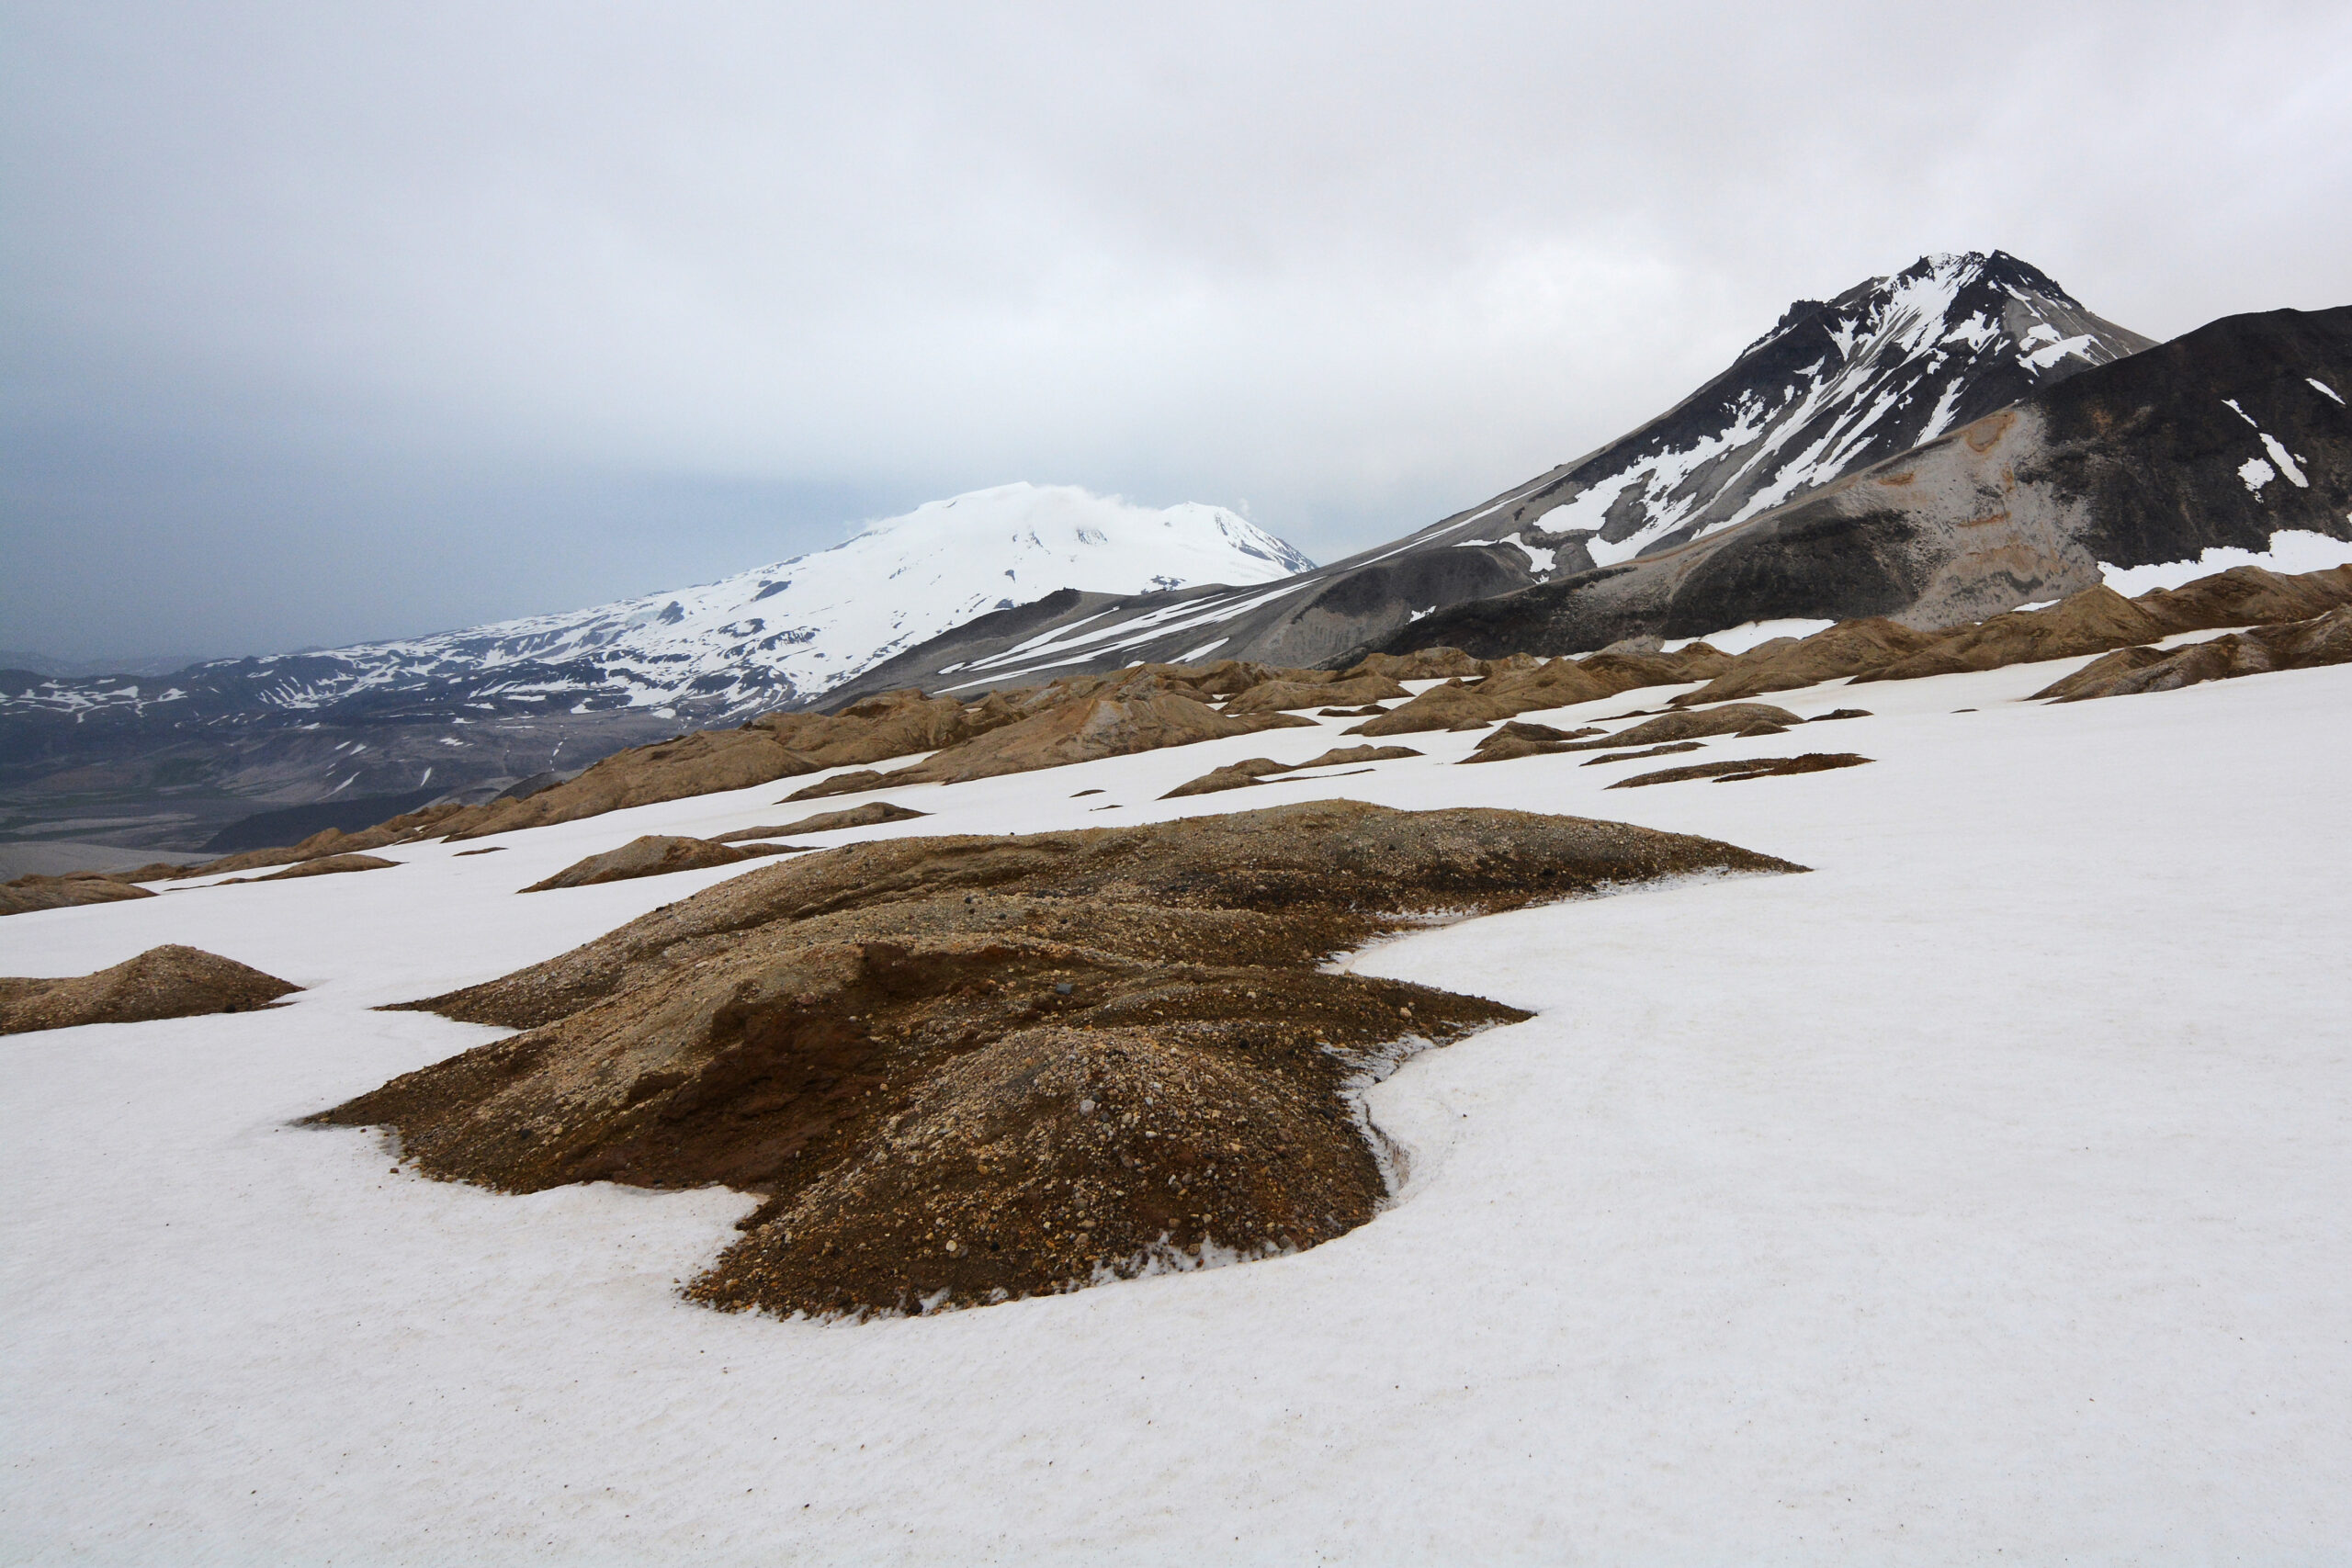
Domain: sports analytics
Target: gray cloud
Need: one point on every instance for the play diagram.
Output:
(331, 323)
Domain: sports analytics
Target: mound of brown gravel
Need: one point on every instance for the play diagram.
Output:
(1748, 768)
(2295, 645)
(28, 893)
(958, 1069)
(1253, 770)
(653, 855)
(873, 814)
(325, 865)
(163, 982)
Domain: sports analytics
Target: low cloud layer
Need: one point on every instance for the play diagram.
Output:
(325, 324)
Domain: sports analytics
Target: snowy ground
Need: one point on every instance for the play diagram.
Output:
(1981, 1193)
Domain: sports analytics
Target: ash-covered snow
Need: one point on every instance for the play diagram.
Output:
(1877, 1213)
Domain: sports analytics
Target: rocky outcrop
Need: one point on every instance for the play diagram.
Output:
(873, 814)
(2089, 622)
(326, 865)
(163, 982)
(653, 855)
(1113, 724)
(2094, 621)
(772, 747)
(1787, 664)
(1354, 690)
(1516, 740)
(1252, 770)
(960, 1070)
(1749, 768)
(1531, 686)
(2293, 645)
(27, 895)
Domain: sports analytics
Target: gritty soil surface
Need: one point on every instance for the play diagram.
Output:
(961, 1069)
(163, 982)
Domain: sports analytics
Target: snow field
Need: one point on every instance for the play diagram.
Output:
(1979, 1191)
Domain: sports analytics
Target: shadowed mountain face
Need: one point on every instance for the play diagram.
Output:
(1831, 389)
(2221, 438)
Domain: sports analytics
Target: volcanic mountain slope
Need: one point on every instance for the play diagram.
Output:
(2222, 439)
(508, 700)
(1832, 387)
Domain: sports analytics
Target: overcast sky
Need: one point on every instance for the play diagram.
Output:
(328, 322)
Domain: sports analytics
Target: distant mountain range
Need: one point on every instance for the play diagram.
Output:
(1832, 389)
(494, 702)
(758, 640)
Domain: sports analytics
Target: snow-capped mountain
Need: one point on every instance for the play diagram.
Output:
(2231, 440)
(1831, 389)
(1886, 366)
(761, 638)
(464, 709)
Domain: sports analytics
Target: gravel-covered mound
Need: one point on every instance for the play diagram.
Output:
(163, 982)
(963, 1068)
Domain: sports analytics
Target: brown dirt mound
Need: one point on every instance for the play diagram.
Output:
(873, 814)
(1233, 775)
(1753, 768)
(654, 854)
(1114, 725)
(774, 746)
(2297, 645)
(1692, 724)
(2248, 596)
(1342, 756)
(1667, 751)
(1528, 688)
(1252, 770)
(2090, 622)
(27, 895)
(1426, 664)
(1848, 649)
(1520, 739)
(958, 1069)
(163, 982)
(1275, 695)
(856, 780)
(326, 865)
(154, 870)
